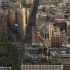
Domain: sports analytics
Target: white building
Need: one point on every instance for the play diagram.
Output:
(65, 1)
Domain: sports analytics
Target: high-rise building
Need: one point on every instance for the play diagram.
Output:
(29, 1)
(4, 4)
(65, 1)
(56, 34)
(58, 1)
(55, 2)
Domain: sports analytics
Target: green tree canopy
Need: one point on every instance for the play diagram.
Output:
(8, 52)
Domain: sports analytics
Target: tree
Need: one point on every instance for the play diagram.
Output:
(8, 53)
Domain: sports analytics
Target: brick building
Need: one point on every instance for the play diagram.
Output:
(56, 34)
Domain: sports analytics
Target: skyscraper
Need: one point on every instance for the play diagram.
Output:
(55, 2)
(29, 1)
(4, 4)
(57, 34)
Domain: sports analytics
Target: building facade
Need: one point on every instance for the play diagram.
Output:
(4, 4)
(56, 37)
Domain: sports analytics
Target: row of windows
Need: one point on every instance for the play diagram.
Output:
(55, 1)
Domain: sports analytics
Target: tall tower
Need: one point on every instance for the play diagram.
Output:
(18, 3)
(4, 4)
(29, 1)
(31, 26)
(57, 32)
(55, 2)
